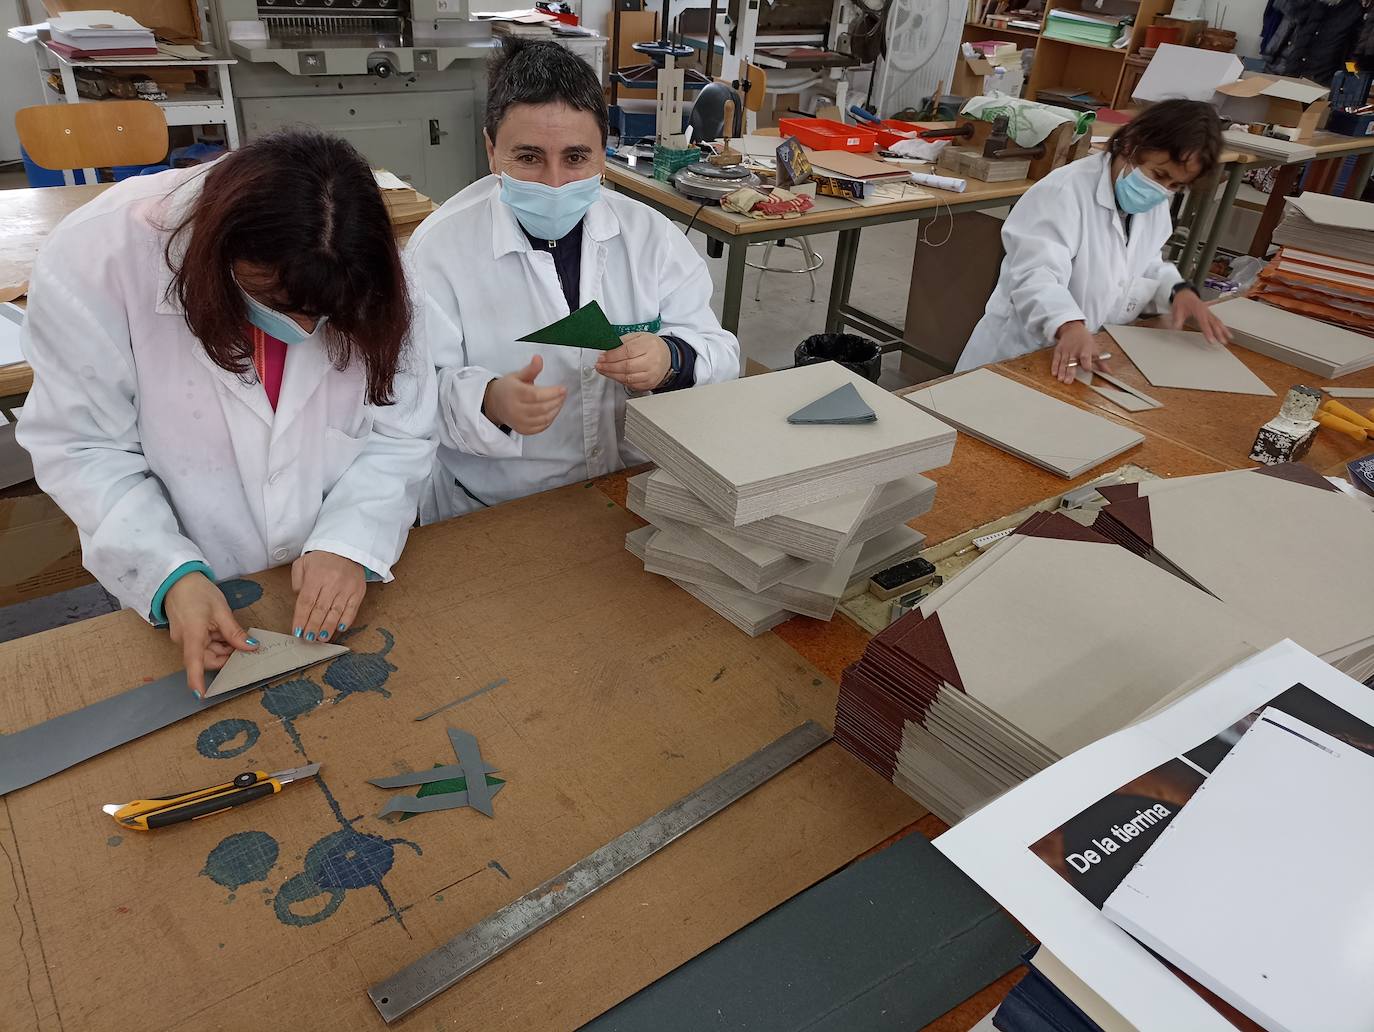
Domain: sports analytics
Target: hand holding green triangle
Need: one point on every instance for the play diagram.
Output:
(587, 327)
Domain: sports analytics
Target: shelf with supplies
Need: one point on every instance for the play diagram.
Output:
(213, 107)
(1087, 67)
(980, 30)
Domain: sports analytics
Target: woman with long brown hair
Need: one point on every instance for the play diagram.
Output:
(225, 380)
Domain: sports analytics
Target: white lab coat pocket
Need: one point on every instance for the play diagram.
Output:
(341, 449)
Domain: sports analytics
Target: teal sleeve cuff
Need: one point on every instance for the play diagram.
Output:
(370, 577)
(160, 617)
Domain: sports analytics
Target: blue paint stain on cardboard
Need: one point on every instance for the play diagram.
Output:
(114, 840)
(243, 857)
(240, 592)
(292, 699)
(226, 739)
(362, 671)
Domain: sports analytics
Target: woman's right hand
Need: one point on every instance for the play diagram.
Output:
(1074, 344)
(514, 401)
(201, 623)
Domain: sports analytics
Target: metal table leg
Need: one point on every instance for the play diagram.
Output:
(1219, 217)
(1205, 193)
(734, 284)
(846, 253)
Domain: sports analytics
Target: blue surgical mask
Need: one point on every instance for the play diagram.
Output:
(1137, 193)
(550, 212)
(275, 324)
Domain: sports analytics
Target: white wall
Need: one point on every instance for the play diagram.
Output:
(1244, 18)
(18, 77)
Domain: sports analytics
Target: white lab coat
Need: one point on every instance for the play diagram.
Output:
(481, 287)
(161, 458)
(1068, 258)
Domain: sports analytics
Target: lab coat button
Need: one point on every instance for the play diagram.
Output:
(596, 451)
(274, 477)
(280, 555)
(587, 372)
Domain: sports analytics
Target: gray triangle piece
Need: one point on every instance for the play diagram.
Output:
(841, 406)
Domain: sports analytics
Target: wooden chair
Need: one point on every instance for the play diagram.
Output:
(99, 134)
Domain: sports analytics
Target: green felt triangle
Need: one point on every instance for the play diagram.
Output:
(587, 327)
(443, 787)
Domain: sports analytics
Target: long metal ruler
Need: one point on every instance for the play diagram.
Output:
(450, 963)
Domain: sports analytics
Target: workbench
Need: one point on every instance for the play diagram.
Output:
(1331, 148)
(831, 215)
(600, 692)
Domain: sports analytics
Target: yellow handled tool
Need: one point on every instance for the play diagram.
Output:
(160, 811)
(1342, 426)
(1348, 414)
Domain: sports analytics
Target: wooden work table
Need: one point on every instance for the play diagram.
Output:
(603, 694)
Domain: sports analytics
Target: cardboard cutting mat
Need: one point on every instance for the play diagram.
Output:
(601, 693)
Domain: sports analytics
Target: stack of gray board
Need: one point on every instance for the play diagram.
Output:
(1319, 347)
(1336, 226)
(1052, 639)
(859, 483)
(730, 443)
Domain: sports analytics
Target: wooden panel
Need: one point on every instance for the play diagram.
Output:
(95, 135)
(602, 694)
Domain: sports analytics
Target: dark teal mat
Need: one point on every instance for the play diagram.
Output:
(886, 945)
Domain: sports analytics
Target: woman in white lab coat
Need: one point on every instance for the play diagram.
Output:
(223, 382)
(1083, 245)
(526, 246)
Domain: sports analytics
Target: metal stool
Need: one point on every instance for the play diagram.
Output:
(811, 261)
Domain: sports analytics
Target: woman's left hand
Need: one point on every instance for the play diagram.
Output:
(1187, 305)
(329, 589)
(640, 363)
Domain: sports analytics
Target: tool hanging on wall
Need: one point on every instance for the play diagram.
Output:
(450, 963)
(160, 811)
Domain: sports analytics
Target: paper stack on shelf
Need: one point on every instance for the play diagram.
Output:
(1202, 869)
(1335, 226)
(405, 206)
(1022, 421)
(1280, 543)
(1334, 290)
(1053, 638)
(526, 23)
(1078, 27)
(98, 34)
(786, 516)
(1268, 146)
(1318, 347)
(730, 443)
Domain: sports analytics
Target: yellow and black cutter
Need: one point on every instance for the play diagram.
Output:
(147, 814)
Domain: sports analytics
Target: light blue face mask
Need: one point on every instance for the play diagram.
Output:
(550, 212)
(1137, 193)
(275, 324)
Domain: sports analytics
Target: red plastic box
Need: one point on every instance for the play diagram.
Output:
(823, 134)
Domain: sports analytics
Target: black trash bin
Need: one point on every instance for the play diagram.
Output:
(860, 354)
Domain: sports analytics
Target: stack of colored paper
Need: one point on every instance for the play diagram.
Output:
(1077, 27)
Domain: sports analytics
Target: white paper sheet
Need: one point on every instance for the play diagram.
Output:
(992, 845)
(1261, 888)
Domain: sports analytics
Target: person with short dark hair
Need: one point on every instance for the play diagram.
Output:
(224, 380)
(1084, 245)
(529, 244)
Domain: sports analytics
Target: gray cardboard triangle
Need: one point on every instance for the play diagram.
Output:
(842, 405)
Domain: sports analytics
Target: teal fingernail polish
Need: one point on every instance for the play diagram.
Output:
(324, 635)
(252, 641)
(343, 626)
(310, 636)
(297, 632)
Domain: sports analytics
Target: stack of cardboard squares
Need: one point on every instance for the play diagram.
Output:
(1052, 639)
(777, 494)
(1279, 542)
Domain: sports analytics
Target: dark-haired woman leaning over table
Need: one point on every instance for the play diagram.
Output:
(224, 381)
(1084, 245)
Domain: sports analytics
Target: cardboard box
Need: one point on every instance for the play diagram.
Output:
(1295, 103)
(40, 553)
(978, 76)
(1186, 72)
(176, 21)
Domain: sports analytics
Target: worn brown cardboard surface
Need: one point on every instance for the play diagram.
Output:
(40, 553)
(602, 694)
